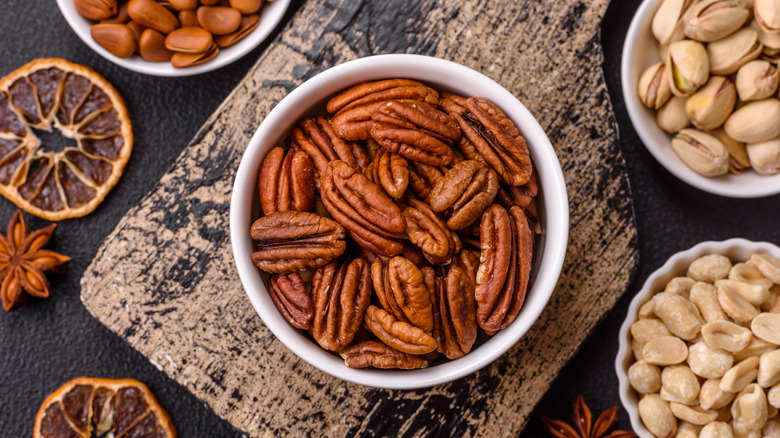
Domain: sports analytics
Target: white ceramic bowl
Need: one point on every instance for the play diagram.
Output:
(270, 16)
(444, 75)
(738, 250)
(640, 51)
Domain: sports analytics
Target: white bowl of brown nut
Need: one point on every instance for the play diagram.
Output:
(173, 37)
(410, 224)
(699, 350)
(700, 83)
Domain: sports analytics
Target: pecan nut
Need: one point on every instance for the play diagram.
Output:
(466, 190)
(286, 182)
(401, 290)
(391, 171)
(415, 130)
(374, 221)
(316, 137)
(430, 233)
(288, 292)
(457, 310)
(497, 139)
(423, 177)
(340, 292)
(378, 355)
(400, 335)
(288, 241)
(354, 106)
(502, 279)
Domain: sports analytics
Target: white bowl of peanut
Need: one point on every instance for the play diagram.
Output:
(699, 353)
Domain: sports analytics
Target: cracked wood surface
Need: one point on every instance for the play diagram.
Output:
(165, 279)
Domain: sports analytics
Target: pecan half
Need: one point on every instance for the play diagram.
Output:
(288, 241)
(289, 294)
(430, 233)
(400, 335)
(415, 130)
(452, 103)
(374, 221)
(391, 171)
(401, 290)
(502, 279)
(423, 177)
(378, 355)
(464, 191)
(316, 137)
(458, 312)
(341, 291)
(524, 197)
(286, 182)
(354, 106)
(497, 139)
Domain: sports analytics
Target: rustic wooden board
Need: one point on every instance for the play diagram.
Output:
(165, 279)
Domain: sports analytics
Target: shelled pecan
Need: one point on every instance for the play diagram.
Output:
(316, 137)
(400, 335)
(288, 241)
(286, 182)
(507, 246)
(378, 355)
(401, 290)
(391, 171)
(422, 178)
(288, 292)
(457, 310)
(430, 233)
(341, 291)
(464, 192)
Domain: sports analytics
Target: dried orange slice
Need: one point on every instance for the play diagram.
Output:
(94, 407)
(52, 93)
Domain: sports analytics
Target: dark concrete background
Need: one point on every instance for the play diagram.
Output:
(48, 342)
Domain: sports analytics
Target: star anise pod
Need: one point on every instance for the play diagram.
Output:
(583, 426)
(22, 262)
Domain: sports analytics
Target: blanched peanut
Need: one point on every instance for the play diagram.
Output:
(767, 327)
(726, 335)
(734, 304)
(705, 297)
(679, 314)
(773, 396)
(710, 268)
(693, 414)
(749, 273)
(712, 397)
(769, 369)
(716, 429)
(707, 362)
(644, 377)
(657, 416)
(742, 431)
(646, 310)
(665, 350)
(768, 265)
(755, 294)
(645, 330)
(756, 347)
(687, 430)
(771, 429)
(740, 375)
(679, 384)
(750, 407)
(680, 286)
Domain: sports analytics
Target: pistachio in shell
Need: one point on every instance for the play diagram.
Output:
(711, 105)
(767, 13)
(667, 25)
(756, 80)
(711, 20)
(653, 88)
(738, 159)
(726, 56)
(756, 122)
(688, 67)
(701, 152)
(769, 40)
(765, 156)
(671, 117)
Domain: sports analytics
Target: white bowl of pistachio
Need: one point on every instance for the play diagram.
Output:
(700, 82)
(699, 350)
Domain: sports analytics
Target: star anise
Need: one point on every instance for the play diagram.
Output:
(22, 262)
(583, 424)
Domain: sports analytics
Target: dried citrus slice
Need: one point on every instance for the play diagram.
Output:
(52, 93)
(94, 407)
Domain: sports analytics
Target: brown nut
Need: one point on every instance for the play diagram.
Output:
(188, 40)
(151, 46)
(286, 182)
(457, 312)
(341, 291)
(505, 265)
(422, 178)
(116, 38)
(219, 20)
(316, 137)
(288, 292)
(248, 24)
(465, 191)
(184, 5)
(391, 171)
(183, 60)
(401, 290)
(416, 130)
(247, 7)
(374, 221)
(429, 232)
(121, 17)
(152, 14)
(96, 9)
(289, 241)
(378, 355)
(188, 19)
(400, 335)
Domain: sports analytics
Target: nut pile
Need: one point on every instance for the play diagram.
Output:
(719, 74)
(374, 217)
(707, 351)
(184, 32)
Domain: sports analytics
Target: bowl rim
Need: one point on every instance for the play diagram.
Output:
(270, 17)
(624, 357)
(551, 179)
(643, 121)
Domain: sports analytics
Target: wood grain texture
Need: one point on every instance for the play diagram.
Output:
(165, 278)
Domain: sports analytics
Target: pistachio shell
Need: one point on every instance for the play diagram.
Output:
(765, 156)
(701, 152)
(755, 122)
(767, 14)
(738, 159)
(709, 107)
(770, 40)
(757, 80)
(653, 89)
(726, 56)
(667, 25)
(711, 20)
(688, 67)
(671, 117)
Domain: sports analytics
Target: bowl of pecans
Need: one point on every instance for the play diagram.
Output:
(399, 221)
